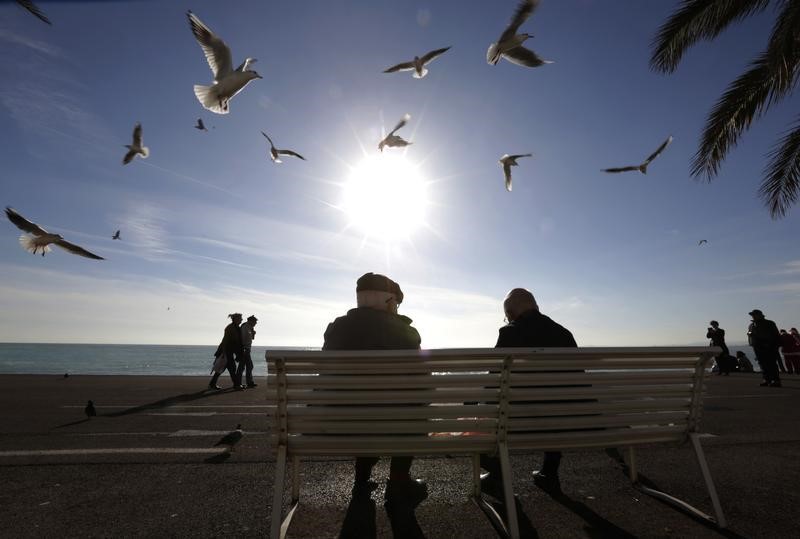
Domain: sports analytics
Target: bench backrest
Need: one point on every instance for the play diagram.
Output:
(465, 400)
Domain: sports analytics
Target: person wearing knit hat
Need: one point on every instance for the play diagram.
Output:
(375, 325)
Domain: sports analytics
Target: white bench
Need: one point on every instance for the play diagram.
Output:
(381, 403)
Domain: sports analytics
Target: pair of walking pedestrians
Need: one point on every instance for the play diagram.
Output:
(235, 348)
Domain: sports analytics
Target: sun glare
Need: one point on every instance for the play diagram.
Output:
(385, 197)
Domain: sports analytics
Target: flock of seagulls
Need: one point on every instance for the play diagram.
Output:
(228, 82)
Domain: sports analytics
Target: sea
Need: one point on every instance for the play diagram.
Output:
(157, 360)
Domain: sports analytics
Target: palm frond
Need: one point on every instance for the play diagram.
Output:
(693, 21)
(780, 188)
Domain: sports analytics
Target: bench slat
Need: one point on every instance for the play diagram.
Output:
(487, 426)
(394, 412)
(599, 407)
(623, 420)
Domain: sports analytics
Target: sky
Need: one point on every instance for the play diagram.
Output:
(210, 226)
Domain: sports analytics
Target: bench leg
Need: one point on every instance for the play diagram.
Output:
(508, 491)
(277, 493)
(476, 476)
(632, 464)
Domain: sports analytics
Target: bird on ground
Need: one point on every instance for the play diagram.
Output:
(89, 410)
(40, 239)
(418, 63)
(136, 148)
(115, 236)
(395, 141)
(227, 81)
(701, 242)
(509, 45)
(66, 375)
(200, 125)
(232, 438)
(33, 8)
(275, 153)
(643, 167)
(509, 161)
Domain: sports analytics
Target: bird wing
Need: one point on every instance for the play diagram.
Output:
(290, 152)
(137, 135)
(433, 54)
(200, 124)
(405, 66)
(76, 249)
(30, 6)
(217, 52)
(658, 151)
(400, 124)
(524, 10)
(244, 66)
(524, 57)
(269, 139)
(24, 224)
(129, 157)
(520, 155)
(507, 173)
(701, 242)
(620, 169)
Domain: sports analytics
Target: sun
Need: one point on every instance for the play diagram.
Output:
(385, 197)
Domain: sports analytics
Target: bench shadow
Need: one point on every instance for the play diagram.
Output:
(644, 481)
(526, 528)
(596, 526)
(166, 402)
(359, 521)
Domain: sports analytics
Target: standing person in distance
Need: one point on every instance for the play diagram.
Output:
(791, 352)
(231, 348)
(764, 337)
(717, 336)
(246, 362)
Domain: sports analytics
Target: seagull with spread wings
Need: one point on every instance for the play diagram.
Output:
(275, 154)
(418, 63)
(509, 161)
(136, 148)
(227, 81)
(509, 46)
(40, 239)
(701, 242)
(395, 141)
(33, 8)
(200, 125)
(643, 167)
(115, 236)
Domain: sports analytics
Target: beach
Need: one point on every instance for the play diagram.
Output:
(147, 465)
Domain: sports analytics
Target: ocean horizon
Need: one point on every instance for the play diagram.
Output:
(138, 359)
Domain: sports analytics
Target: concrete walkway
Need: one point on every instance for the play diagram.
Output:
(148, 466)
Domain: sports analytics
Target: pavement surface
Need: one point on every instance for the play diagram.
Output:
(148, 466)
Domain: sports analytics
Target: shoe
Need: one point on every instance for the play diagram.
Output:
(363, 488)
(252, 384)
(775, 384)
(493, 486)
(764, 384)
(407, 493)
(214, 386)
(547, 481)
(238, 388)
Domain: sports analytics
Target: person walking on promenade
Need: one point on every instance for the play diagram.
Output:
(791, 352)
(231, 348)
(765, 339)
(375, 325)
(717, 336)
(744, 362)
(527, 327)
(246, 362)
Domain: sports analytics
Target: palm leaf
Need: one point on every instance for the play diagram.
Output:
(696, 20)
(780, 188)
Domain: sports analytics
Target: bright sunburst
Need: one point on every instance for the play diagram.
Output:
(385, 197)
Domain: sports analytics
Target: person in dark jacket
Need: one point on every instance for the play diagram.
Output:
(717, 336)
(375, 325)
(527, 327)
(231, 348)
(764, 337)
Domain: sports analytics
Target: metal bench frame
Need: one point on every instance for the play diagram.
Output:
(381, 403)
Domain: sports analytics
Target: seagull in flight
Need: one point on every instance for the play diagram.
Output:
(200, 125)
(115, 236)
(643, 167)
(33, 8)
(509, 161)
(509, 46)
(418, 63)
(275, 153)
(136, 147)
(701, 242)
(227, 81)
(40, 239)
(395, 141)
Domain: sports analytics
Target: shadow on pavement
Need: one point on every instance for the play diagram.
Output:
(597, 526)
(163, 403)
(219, 458)
(78, 422)
(404, 523)
(359, 521)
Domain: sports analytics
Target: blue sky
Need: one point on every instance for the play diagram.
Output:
(211, 226)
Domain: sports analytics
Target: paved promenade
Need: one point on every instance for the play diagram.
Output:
(148, 466)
